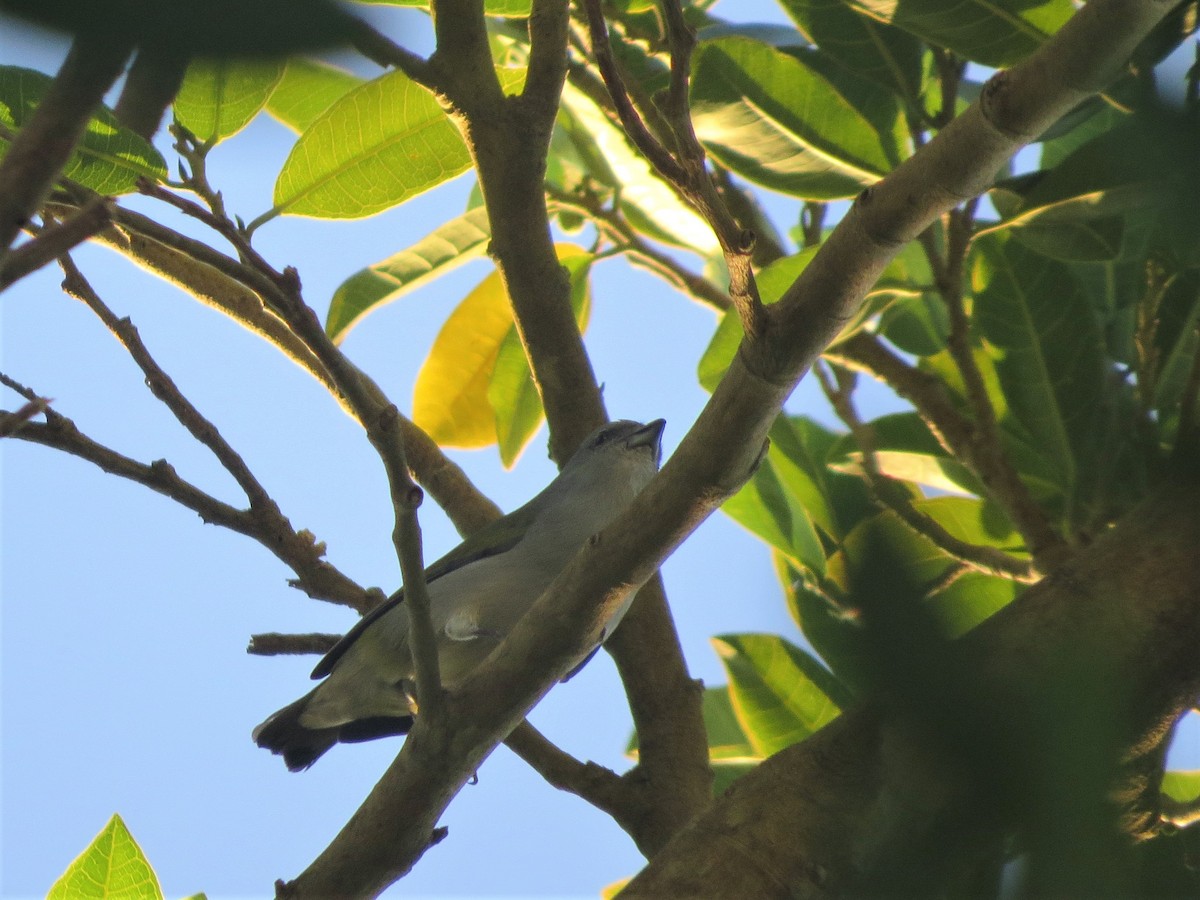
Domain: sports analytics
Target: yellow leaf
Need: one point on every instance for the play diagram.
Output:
(450, 400)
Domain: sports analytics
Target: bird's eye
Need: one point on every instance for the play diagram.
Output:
(601, 438)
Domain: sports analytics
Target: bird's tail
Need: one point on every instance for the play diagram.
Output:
(301, 746)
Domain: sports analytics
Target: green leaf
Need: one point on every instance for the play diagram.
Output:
(906, 449)
(307, 89)
(780, 693)
(769, 510)
(219, 97)
(833, 501)
(649, 204)
(1182, 786)
(869, 47)
(992, 32)
(511, 392)
(1043, 334)
(923, 563)
(780, 121)
(113, 865)
(109, 158)
(831, 627)
(443, 249)
(1176, 341)
(379, 145)
(917, 325)
(968, 600)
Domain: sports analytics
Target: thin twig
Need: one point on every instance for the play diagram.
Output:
(165, 390)
(269, 526)
(383, 51)
(384, 426)
(893, 496)
(15, 421)
(688, 173)
(611, 224)
(1045, 543)
(275, 644)
(953, 430)
(658, 155)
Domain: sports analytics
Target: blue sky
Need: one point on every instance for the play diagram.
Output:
(125, 683)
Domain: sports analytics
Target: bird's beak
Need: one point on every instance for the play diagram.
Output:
(649, 435)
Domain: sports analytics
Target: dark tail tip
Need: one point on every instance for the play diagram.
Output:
(283, 735)
(300, 747)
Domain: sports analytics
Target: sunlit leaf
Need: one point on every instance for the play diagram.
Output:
(109, 158)
(1182, 786)
(780, 121)
(382, 143)
(443, 249)
(307, 89)
(219, 97)
(781, 695)
(645, 199)
(112, 866)
(992, 32)
(906, 449)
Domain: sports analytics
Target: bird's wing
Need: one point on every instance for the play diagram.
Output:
(497, 537)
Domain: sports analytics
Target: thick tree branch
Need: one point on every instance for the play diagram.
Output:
(45, 143)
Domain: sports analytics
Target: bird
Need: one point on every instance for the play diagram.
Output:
(477, 593)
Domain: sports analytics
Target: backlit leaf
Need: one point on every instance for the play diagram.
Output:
(109, 158)
(219, 97)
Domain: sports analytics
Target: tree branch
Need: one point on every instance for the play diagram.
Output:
(274, 644)
(150, 88)
(689, 172)
(953, 430)
(55, 240)
(882, 782)
(599, 786)
(237, 290)
(890, 495)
